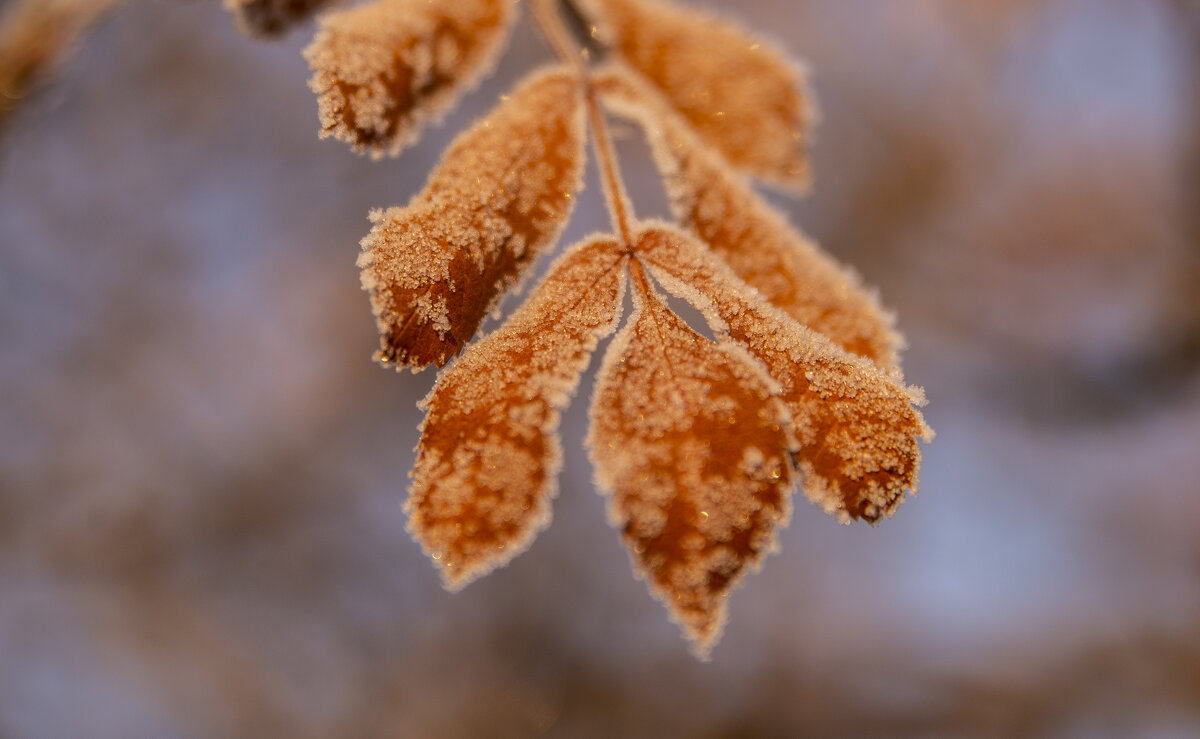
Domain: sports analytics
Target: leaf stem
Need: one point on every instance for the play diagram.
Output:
(639, 277)
(550, 22)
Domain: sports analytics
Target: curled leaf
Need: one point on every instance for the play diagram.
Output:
(691, 446)
(788, 269)
(858, 428)
(268, 18)
(740, 95)
(489, 452)
(384, 69)
(502, 193)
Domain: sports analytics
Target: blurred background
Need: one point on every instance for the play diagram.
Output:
(201, 470)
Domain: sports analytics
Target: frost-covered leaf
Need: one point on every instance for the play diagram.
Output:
(503, 192)
(858, 428)
(690, 444)
(740, 95)
(384, 69)
(489, 452)
(789, 270)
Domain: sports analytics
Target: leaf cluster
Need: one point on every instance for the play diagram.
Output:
(697, 443)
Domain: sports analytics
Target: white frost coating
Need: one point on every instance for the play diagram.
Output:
(691, 447)
(501, 195)
(489, 454)
(857, 426)
(721, 209)
(385, 69)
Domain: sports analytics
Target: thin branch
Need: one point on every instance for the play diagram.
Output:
(550, 22)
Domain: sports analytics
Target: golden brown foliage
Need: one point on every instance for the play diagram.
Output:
(382, 70)
(739, 94)
(696, 442)
(857, 427)
(501, 195)
(489, 450)
(787, 268)
(690, 443)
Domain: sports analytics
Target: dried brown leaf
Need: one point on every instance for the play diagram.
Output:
(382, 70)
(789, 270)
(741, 96)
(690, 444)
(858, 428)
(269, 18)
(489, 452)
(503, 192)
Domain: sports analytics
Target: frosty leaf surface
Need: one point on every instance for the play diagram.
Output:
(382, 70)
(857, 427)
(740, 95)
(690, 445)
(789, 270)
(502, 193)
(489, 452)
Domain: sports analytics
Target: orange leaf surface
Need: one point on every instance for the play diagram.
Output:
(858, 428)
(691, 446)
(489, 452)
(383, 69)
(503, 192)
(740, 95)
(789, 270)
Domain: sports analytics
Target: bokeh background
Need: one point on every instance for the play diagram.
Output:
(201, 470)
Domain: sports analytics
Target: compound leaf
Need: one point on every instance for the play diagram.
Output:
(690, 444)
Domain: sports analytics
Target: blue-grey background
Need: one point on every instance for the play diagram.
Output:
(201, 470)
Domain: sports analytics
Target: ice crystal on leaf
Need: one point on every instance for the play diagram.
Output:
(489, 449)
(383, 69)
(697, 443)
(857, 426)
(741, 96)
(690, 441)
(501, 195)
(270, 18)
(740, 227)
